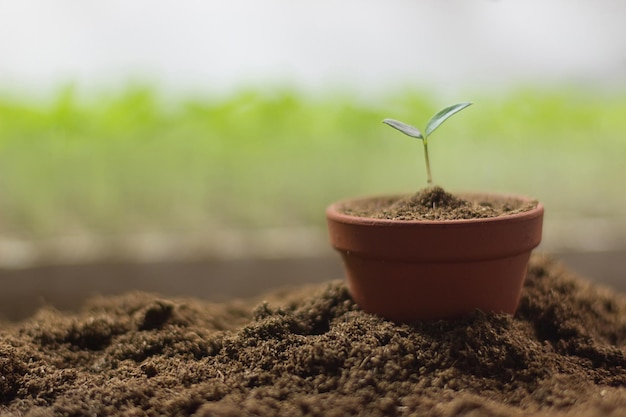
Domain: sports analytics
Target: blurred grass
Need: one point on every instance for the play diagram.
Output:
(134, 161)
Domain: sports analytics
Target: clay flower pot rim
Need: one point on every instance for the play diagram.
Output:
(334, 211)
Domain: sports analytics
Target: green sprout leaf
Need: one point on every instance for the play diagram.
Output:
(442, 115)
(433, 124)
(404, 128)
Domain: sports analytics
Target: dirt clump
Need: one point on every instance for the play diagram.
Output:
(434, 203)
(318, 354)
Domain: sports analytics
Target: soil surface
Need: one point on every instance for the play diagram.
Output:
(435, 203)
(312, 351)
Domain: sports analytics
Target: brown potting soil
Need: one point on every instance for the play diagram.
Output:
(434, 203)
(314, 352)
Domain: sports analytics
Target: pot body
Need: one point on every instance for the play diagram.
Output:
(421, 270)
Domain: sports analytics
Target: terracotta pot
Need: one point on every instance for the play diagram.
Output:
(420, 270)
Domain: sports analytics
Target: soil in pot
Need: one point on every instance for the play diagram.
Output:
(434, 203)
(314, 352)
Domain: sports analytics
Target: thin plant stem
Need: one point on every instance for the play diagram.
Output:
(430, 177)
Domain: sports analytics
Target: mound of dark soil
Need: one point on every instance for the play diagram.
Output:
(435, 203)
(317, 354)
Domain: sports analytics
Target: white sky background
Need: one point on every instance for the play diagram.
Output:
(363, 45)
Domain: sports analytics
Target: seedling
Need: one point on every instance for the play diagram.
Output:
(432, 124)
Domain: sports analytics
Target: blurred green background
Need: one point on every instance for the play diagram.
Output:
(191, 148)
(137, 162)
